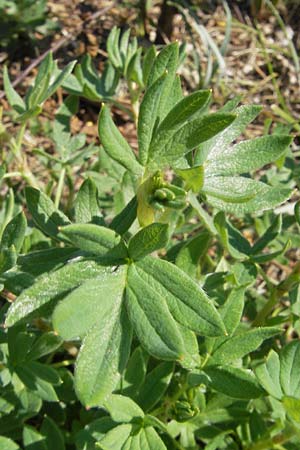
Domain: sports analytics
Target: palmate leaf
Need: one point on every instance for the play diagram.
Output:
(235, 347)
(124, 437)
(101, 304)
(218, 144)
(234, 382)
(51, 287)
(170, 145)
(97, 240)
(247, 155)
(148, 117)
(189, 304)
(153, 323)
(46, 216)
(103, 356)
(241, 195)
(279, 375)
(115, 144)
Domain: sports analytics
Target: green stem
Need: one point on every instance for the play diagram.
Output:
(286, 116)
(17, 147)
(265, 311)
(12, 175)
(65, 363)
(24, 172)
(134, 103)
(60, 186)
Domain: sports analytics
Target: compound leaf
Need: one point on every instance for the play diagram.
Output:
(186, 301)
(148, 239)
(46, 216)
(103, 356)
(115, 144)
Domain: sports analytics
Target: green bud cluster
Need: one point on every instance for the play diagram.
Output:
(168, 196)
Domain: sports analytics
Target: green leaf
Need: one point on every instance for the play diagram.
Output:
(41, 261)
(54, 437)
(2, 171)
(167, 59)
(44, 213)
(232, 310)
(96, 239)
(115, 144)
(244, 273)
(184, 110)
(231, 238)
(193, 177)
(32, 439)
(246, 156)
(84, 306)
(290, 369)
(14, 232)
(51, 287)
(87, 437)
(29, 114)
(270, 234)
(152, 321)
(192, 358)
(292, 407)
(13, 97)
(172, 95)
(240, 195)
(189, 255)
(268, 374)
(112, 46)
(40, 387)
(8, 444)
(123, 221)
(146, 439)
(166, 62)
(62, 123)
(103, 356)
(149, 117)
(63, 75)
(186, 301)
(8, 258)
(43, 372)
(155, 385)
(135, 373)
(218, 144)
(168, 146)
(265, 257)
(45, 344)
(237, 346)
(116, 438)
(234, 382)
(148, 239)
(148, 61)
(297, 212)
(19, 343)
(86, 207)
(41, 82)
(134, 70)
(122, 409)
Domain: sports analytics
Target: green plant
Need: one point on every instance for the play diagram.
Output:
(21, 19)
(149, 285)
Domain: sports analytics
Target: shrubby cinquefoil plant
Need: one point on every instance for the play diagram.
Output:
(177, 349)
